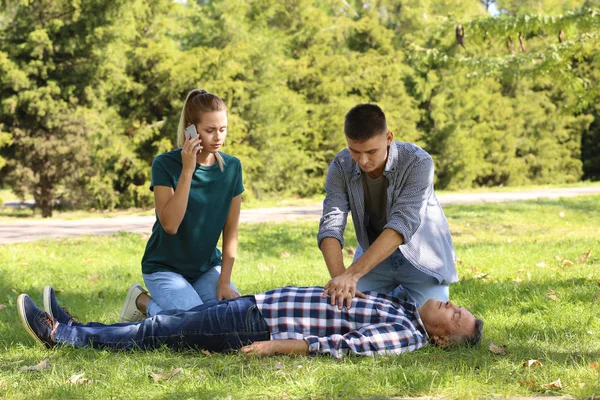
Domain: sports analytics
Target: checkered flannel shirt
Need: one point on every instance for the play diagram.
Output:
(377, 325)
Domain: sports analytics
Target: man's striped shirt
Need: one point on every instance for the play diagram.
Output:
(412, 208)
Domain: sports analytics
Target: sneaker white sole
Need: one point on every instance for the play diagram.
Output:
(128, 299)
(47, 302)
(21, 312)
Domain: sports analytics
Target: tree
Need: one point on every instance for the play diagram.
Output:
(63, 68)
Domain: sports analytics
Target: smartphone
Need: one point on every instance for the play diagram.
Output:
(191, 132)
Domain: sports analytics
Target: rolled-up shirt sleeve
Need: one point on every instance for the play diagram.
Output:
(377, 339)
(410, 202)
(335, 206)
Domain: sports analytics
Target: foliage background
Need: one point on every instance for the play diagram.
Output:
(90, 91)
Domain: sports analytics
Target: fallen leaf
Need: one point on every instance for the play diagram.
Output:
(78, 380)
(597, 297)
(165, 377)
(551, 291)
(561, 214)
(595, 365)
(541, 264)
(477, 274)
(3, 385)
(553, 385)
(519, 280)
(598, 282)
(2, 307)
(93, 277)
(350, 251)
(585, 257)
(206, 352)
(530, 382)
(501, 350)
(263, 267)
(531, 363)
(41, 366)
(285, 254)
(567, 263)
(87, 260)
(551, 297)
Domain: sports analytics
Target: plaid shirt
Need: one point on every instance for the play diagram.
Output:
(376, 325)
(412, 210)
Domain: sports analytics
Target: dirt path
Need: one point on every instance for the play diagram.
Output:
(26, 231)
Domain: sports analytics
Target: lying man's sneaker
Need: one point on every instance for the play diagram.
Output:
(130, 312)
(36, 322)
(54, 310)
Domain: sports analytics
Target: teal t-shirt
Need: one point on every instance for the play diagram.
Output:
(193, 249)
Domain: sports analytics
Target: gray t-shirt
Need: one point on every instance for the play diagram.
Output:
(375, 204)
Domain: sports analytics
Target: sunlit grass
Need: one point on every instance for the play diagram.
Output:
(519, 270)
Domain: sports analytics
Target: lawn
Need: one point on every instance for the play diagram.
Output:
(521, 270)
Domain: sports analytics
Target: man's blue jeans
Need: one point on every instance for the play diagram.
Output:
(415, 285)
(215, 326)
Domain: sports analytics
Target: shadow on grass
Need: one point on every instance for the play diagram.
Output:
(273, 239)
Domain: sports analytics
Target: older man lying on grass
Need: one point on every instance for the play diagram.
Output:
(290, 320)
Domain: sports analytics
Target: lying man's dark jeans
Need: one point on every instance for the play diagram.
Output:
(216, 326)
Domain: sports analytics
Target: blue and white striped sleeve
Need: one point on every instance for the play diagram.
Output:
(335, 206)
(410, 200)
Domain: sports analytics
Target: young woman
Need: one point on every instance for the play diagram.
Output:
(197, 195)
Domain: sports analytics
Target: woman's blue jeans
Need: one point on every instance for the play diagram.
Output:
(215, 326)
(171, 291)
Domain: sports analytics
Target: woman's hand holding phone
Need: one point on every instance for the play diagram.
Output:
(191, 148)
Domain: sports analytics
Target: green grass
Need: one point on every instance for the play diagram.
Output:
(520, 246)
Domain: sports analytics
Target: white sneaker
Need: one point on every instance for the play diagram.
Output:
(130, 312)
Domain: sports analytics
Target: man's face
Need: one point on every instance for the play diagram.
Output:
(371, 154)
(446, 319)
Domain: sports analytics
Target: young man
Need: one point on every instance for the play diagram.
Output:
(290, 320)
(399, 223)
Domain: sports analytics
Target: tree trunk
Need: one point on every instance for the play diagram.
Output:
(45, 199)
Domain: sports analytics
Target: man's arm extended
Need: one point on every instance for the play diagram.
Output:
(275, 347)
(333, 223)
(382, 248)
(342, 287)
(332, 253)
